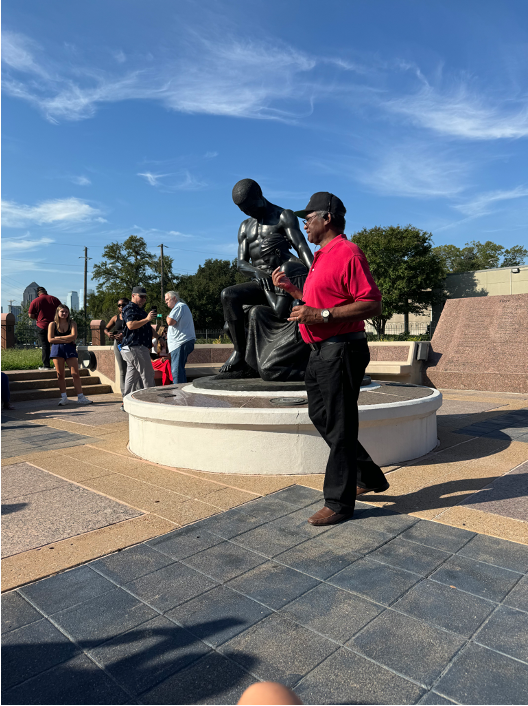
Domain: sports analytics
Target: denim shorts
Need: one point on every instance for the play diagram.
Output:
(63, 350)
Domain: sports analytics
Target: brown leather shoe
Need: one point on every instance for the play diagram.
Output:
(326, 516)
(362, 491)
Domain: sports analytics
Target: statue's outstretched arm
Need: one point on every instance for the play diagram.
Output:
(290, 224)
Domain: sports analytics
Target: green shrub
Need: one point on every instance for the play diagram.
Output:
(21, 358)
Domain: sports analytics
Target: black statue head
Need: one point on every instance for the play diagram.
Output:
(247, 195)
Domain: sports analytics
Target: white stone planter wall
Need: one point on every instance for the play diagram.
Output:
(272, 441)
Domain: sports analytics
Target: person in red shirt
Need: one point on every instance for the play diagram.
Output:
(339, 294)
(43, 309)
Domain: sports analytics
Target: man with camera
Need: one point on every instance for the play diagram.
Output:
(137, 342)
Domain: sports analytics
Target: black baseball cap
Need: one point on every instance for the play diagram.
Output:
(323, 201)
(139, 290)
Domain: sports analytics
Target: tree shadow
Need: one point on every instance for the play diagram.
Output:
(10, 509)
(173, 660)
(433, 496)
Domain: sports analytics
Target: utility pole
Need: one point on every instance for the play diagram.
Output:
(86, 258)
(162, 291)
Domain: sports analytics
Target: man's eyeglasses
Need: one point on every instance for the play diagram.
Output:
(305, 223)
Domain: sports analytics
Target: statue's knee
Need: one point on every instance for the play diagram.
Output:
(226, 295)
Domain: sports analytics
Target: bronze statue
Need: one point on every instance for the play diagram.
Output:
(272, 347)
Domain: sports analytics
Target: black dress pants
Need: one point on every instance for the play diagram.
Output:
(333, 381)
(42, 333)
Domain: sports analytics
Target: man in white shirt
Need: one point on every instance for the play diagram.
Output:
(180, 335)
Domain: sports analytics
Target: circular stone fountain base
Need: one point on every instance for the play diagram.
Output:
(249, 432)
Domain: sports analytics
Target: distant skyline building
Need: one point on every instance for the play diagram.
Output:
(15, 310)
(30, 293)
(72, 301)
(88, 292)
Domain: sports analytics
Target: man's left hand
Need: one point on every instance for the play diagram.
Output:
(306, 315)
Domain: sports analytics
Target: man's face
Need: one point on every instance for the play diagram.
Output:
(252, 206)
(170, 301)
(139, 299)
(315, 228)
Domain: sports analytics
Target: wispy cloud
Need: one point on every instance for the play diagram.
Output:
(483, 204)
(239, 78)
(461, 111)
(81, 180)
(175, 181)
(412, 169)
(56, 211)
(24, 243)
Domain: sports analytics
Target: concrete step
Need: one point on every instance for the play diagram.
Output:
(18, 386)
(18, 375)
(89, 391)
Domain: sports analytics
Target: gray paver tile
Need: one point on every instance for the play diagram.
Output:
(32, 649)
(482, 676)
(186, 541)
(500, 552)
(78, 681)
(317, 559)
(332, 612)
(267, 508)
(214, 679)
(271, 539)
(228, 524)
(224, 561)
(299, 495)
(17, 612)
(476, 577)
(434, 699)
(518, 596)
(352, 536)
(446, 607)
(168, 587)
(144, 656)
(348, 678)
(130, 564)
(506, 631)
(383, 520)
(102, 618)
(277, 649)
(433, 534)
(410, 556)
(218, 615)
(410, 647)
(273, 585)
(65, 590)
(378, 582)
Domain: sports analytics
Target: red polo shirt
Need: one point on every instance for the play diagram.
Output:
(339, 275)
(44, 308)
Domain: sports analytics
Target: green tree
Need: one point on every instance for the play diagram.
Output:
(480, 256)
(201, 291)
(126, 265)
(405, 267)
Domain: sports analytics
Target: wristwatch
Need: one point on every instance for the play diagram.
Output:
(325, 313)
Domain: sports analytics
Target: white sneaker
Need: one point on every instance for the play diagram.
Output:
(43, 368)
(84, 400)
(63, 401)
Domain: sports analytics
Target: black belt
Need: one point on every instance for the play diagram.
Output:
(340, 338)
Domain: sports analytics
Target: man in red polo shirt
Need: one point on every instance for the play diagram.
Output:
(43, 309)
(339, 294)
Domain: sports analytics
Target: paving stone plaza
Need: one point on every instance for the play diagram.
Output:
(128, 582)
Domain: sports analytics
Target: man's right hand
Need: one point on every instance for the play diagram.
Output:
(151, 315)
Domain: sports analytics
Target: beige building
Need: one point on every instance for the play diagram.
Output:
(478, 283)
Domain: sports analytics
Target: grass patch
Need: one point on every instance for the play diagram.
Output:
(21, 358)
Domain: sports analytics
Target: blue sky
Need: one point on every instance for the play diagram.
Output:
(139, 117)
